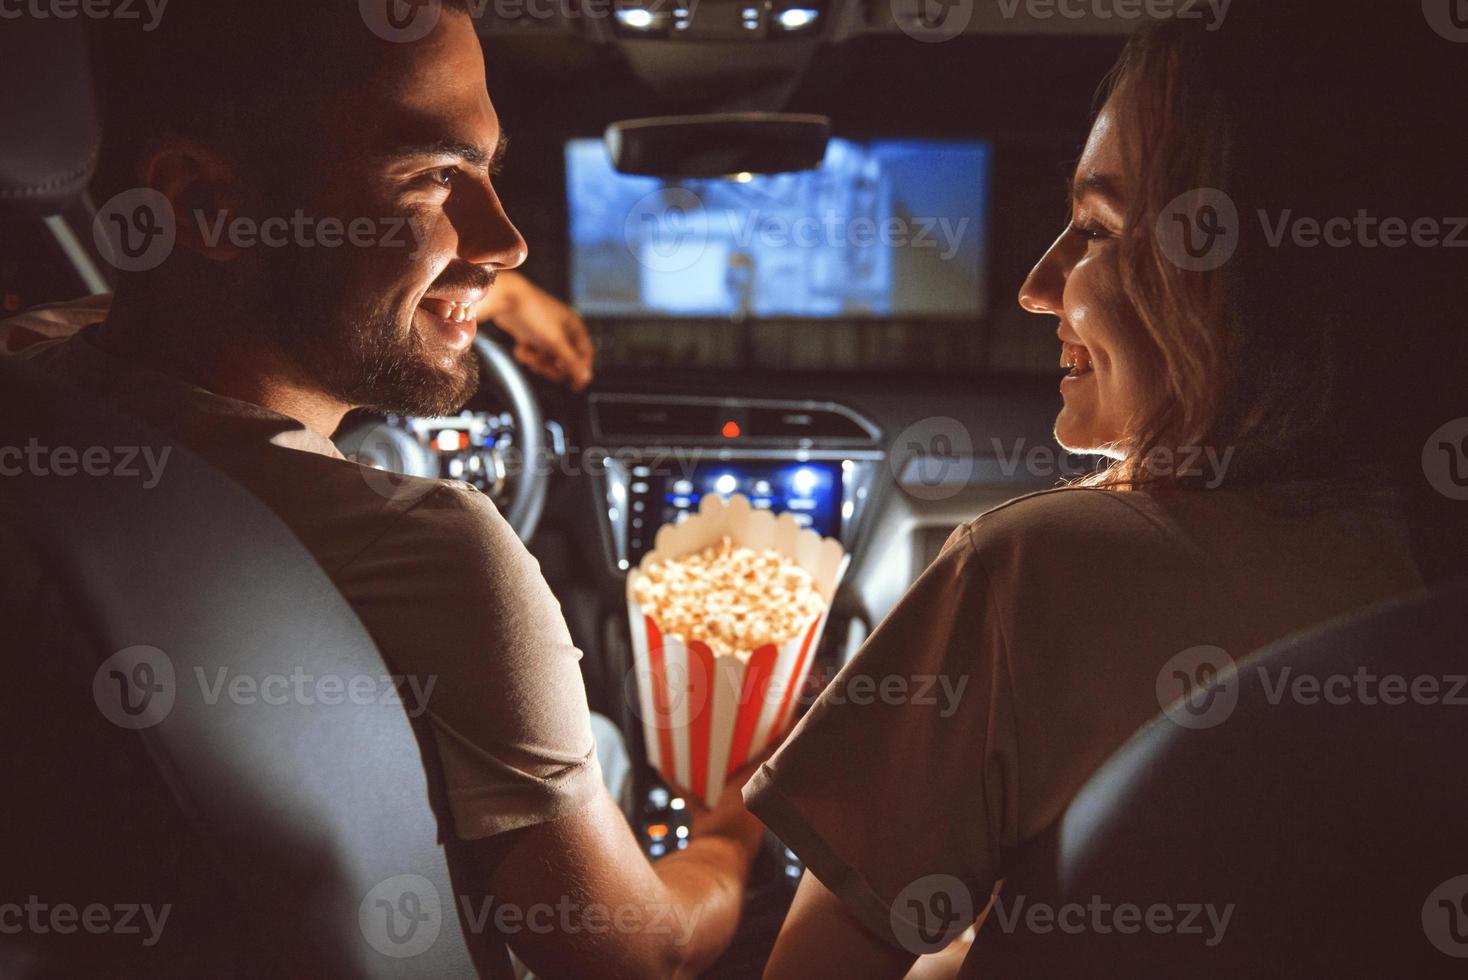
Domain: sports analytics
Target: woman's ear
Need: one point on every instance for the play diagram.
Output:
(204, 188)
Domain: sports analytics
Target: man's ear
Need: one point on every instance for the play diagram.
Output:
(204, 187)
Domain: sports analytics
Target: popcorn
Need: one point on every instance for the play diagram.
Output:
(732, 598)
(725, 615)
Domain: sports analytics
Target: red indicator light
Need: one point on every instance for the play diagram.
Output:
(731, 430)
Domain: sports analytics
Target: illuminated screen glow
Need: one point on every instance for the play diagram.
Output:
(810, 491)
(889, 228)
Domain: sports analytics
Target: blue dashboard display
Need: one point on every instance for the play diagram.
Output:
(811, 492)
(888, 228)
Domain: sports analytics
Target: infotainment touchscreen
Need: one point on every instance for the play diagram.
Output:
(811, 491)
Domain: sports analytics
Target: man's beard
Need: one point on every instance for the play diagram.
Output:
(360, 353)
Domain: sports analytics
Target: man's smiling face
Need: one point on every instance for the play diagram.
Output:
(412, 150)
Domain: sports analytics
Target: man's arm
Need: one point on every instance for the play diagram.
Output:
(605, 911)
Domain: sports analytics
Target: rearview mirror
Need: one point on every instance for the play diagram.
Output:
(718, 145)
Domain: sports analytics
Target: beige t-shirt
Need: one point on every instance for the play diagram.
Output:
(1026, 654)
(438, 578)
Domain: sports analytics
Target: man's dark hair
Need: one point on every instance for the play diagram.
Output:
(251, 78)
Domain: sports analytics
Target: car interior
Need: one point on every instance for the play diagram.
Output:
(880, 396)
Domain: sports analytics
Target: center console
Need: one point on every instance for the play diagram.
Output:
(815, 460)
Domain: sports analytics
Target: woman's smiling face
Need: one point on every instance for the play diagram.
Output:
(1078, 280)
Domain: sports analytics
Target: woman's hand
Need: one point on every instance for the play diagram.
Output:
(550, 337)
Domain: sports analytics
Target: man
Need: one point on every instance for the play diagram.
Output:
(252, 355)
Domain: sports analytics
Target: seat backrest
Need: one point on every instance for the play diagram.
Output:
(1312, 827)
(193, 719)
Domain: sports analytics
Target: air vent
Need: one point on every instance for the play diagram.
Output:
(803, 423)
(657, 420)
(730, 422)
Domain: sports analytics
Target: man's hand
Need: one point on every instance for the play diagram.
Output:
(620, 915)
(728, 817)
(550, 337)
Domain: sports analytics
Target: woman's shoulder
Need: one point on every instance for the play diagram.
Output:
(1093, 538)
(1073, 516)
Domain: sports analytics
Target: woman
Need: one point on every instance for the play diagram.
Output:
(1262, 317)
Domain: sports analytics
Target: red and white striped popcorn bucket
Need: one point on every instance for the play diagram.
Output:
(705, 716)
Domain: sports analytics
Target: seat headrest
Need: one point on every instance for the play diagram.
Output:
(47, 114)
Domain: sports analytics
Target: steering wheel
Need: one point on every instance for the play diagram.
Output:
(517, 481)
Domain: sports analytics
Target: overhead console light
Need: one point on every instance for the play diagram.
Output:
(644, 19)
(718, 20)
(795, 18)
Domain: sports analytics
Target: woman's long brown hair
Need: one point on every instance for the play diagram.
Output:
(1315, 364)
